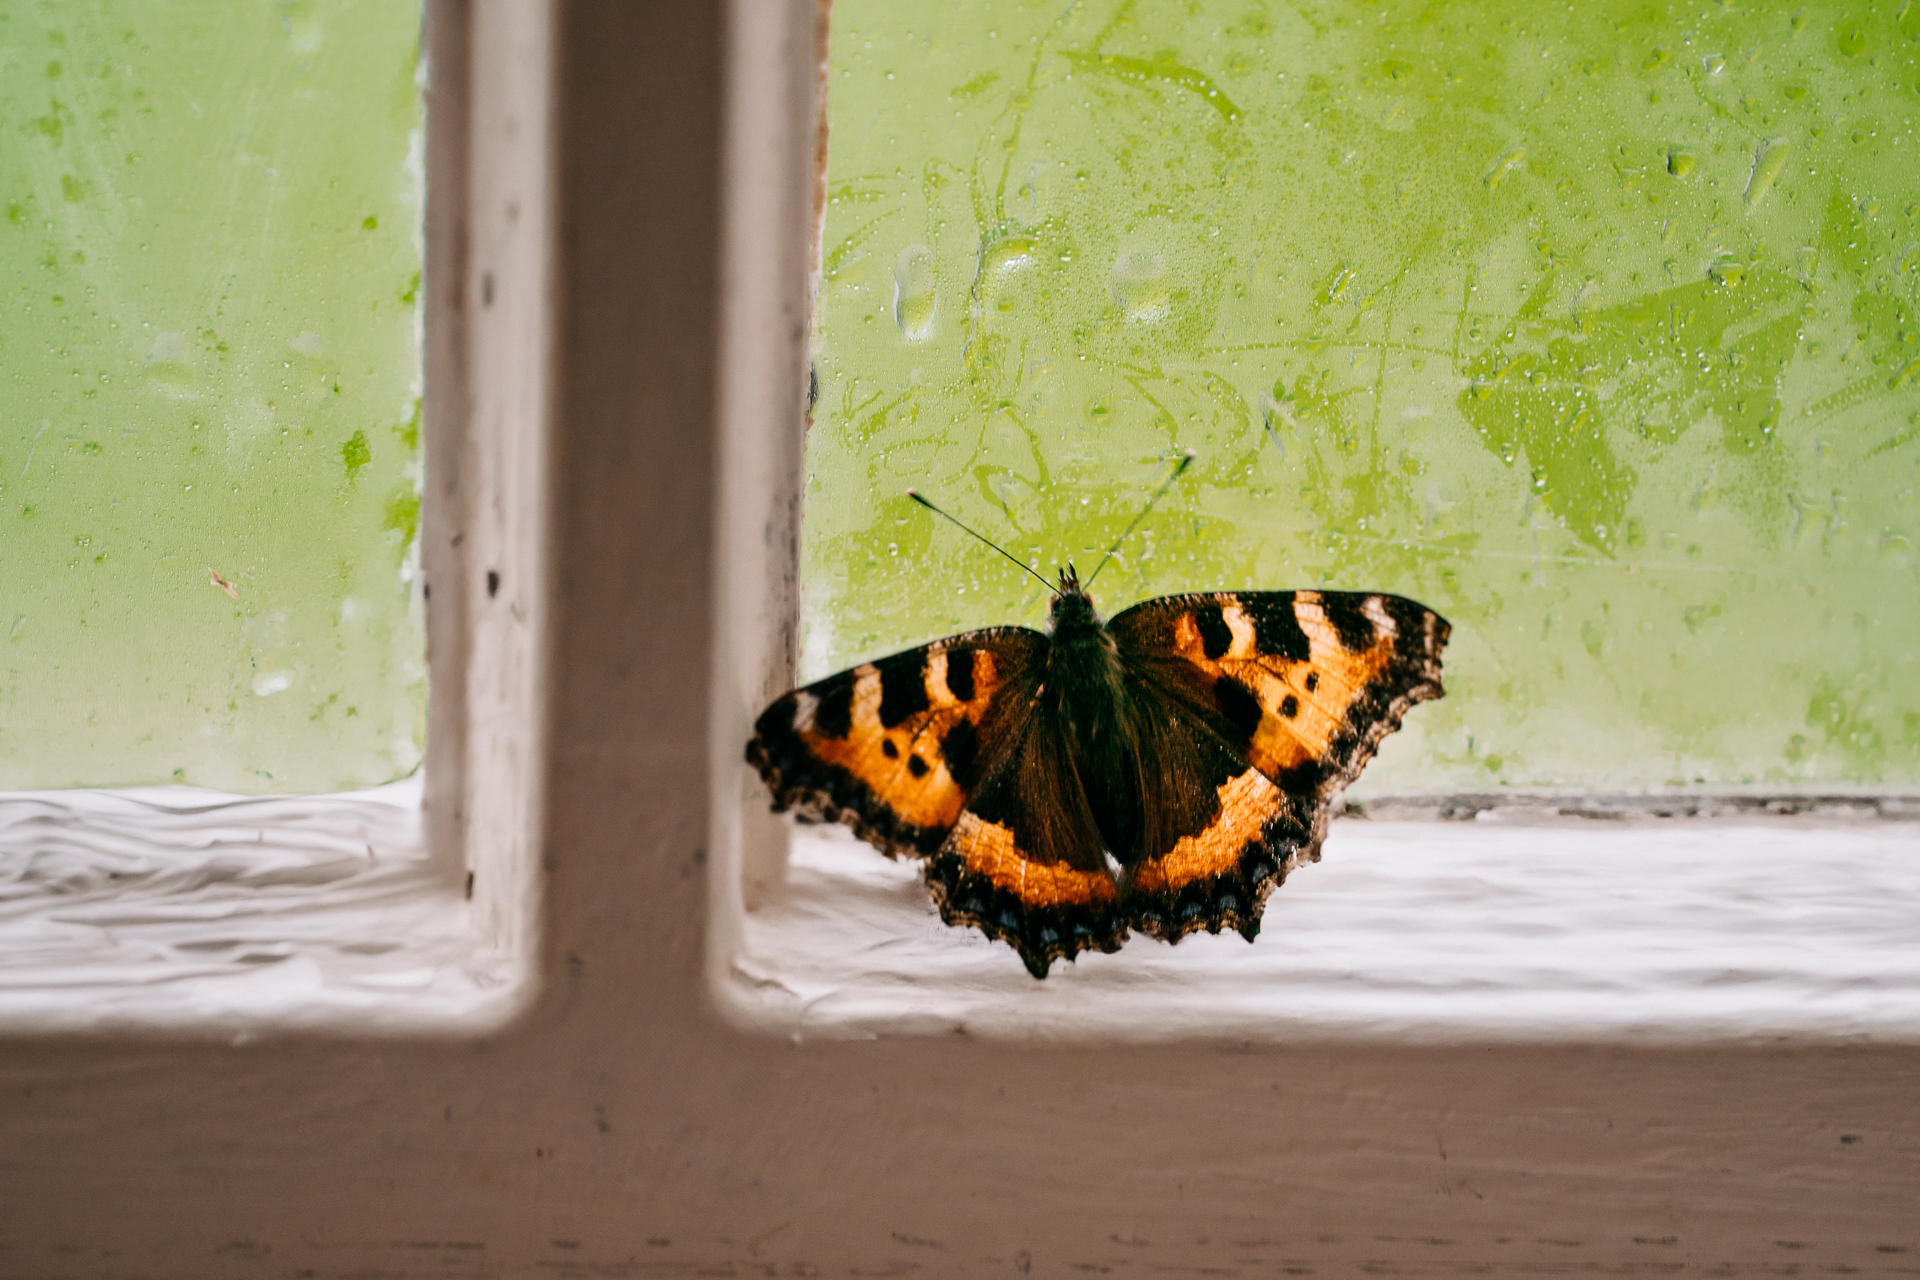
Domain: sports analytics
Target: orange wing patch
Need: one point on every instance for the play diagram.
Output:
(1303, 703)
(1248, 804)
(1219, 877)
(987, 849)
(1045, 911)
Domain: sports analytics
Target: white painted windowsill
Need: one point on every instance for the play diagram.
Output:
(1643, 929)
(169, 908)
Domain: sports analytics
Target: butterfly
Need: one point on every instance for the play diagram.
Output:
(1159, 771)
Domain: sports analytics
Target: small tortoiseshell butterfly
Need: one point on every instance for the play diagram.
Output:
(1161, 771)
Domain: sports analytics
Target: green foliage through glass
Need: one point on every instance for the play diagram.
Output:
(1591, 326)
(209, 421)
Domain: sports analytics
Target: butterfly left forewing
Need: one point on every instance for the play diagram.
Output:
(893, 748)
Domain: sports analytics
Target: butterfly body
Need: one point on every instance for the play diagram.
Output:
(1085, 689)
(1161, 771)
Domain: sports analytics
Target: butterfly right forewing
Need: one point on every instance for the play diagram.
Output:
(1295, 690)
(1305, 683)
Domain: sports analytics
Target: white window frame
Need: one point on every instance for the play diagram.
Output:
(616, 435)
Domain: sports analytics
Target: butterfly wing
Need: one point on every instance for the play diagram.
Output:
(1024, 864)
(944, 752)
(894, 748)
(1288, 695)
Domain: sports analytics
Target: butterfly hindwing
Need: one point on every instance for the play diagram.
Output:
(1216, 835)
(1295, 691)
(1024, 863)
(893, 748)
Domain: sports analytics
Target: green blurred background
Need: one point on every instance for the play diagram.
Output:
(1591, 326)
(1592, 329)
(210, 265)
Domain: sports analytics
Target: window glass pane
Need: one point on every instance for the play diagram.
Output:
(1591, 326)
(209, 422)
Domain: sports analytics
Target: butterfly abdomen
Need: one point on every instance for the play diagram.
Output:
(1087, 688)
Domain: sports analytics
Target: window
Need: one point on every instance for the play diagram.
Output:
(215, 259)
(1592, 329)
(211, 469)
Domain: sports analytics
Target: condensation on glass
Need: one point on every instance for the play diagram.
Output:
(1592, 327)
(209, 419)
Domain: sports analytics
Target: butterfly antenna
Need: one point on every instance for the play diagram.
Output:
(990, 542)
(1186, 460)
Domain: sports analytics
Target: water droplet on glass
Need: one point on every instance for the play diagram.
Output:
(1009, 254)
(914, 298)
(1769, 158)
(1140, 285)
(268, 683)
